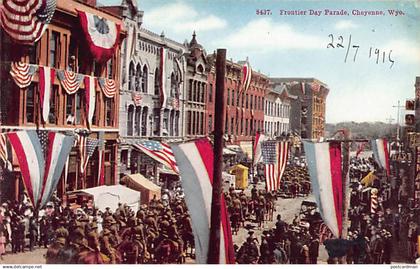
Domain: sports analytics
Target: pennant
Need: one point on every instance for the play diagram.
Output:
(275, 156)
(46, 80)
(90, 98)
(31, 161)
(195, 160)
(69, 80)
(381, 153)
(246, 76)
(368, 179)
(25, 21)
(102, 35)
(108, 87)
(22, 73)
(259, 138)
(59, 147)
(163, 95)
(324, 163)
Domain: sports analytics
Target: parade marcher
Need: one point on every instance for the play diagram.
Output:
(33, 233)
(313, 250)
(2, 244)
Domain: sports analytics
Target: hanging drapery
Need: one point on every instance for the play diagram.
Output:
(70, 81)
(90, 98)
(102, 35)
(25, 21)
(46, 80)
(108, 87)
(22, 73)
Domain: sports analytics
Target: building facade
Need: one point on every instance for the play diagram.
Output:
(307, 112)
(244, 109)
(63, 47)
(277, 111)
(152, 90)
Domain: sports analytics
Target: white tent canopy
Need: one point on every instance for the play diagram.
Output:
(110, 196)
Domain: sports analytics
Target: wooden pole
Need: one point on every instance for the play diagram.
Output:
(346, 187)
(214, 244)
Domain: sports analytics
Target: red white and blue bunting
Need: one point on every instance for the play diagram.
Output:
(102, 35)
(90, 98)
(108, 87)
(70, 81)
(25, 21)
(22, 73)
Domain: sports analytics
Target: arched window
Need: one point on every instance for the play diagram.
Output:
(144, 117)
(138, 77)
(173, 85)
(130, 120)
(157, 82)
(131, 77)
(137, 118)
(144, 79)
(200, 69)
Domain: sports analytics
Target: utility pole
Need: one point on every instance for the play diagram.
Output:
(398, 106)
(220, 108)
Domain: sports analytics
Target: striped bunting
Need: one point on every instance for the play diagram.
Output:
(4, 154)
(25, 21)
(46, 80)
(22, 73)
(381, 153)
(69, 80)
(195, 160)
(90, 98)
(275, 156)
(31, 161)
(246, 76)
(324, 163)
(108, 87)
(59, 147)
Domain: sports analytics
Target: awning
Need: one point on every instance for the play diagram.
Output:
(110, 196)
(139, 183)
(227, 151)
(167, 171)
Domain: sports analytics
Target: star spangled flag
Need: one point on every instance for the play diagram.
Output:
(90, 98)
(381, 153)
(324, 164)
(195, 160)
(275, 156)
(87, 146)
(163, 95)
(59, 147)
(43, 139)
(25, 21)
(4, 152)
(46, 80)
(31, 161)
(259, 138)
(159, 151)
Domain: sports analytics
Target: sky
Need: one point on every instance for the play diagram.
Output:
(296, 46)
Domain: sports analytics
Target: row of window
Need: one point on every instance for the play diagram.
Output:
(144, 46)
(196, 91)
(276, 109)
(138, 80)
(276, 128)
(195, 123)
(73, 105)
(141, 123)
(244, 100)
(245, 127)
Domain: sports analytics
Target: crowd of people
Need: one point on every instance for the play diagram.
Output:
(159, 232)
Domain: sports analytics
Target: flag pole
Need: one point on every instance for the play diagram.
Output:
(214, 244)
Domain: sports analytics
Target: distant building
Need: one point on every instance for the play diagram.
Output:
(277, 111)
(307, 116)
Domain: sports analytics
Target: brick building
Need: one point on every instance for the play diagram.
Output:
(63, 46)
(307, 114)
(244, 110)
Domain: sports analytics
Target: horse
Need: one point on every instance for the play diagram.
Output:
(132, 251)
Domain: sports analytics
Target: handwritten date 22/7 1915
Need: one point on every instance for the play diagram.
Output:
(376, 54)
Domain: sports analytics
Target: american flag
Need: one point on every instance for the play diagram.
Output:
(3, 149)
(275, 157)
(159, 151)
(87, 146)
(137, 98)
(43, 139)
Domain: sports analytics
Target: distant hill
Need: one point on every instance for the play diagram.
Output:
(366, 130)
